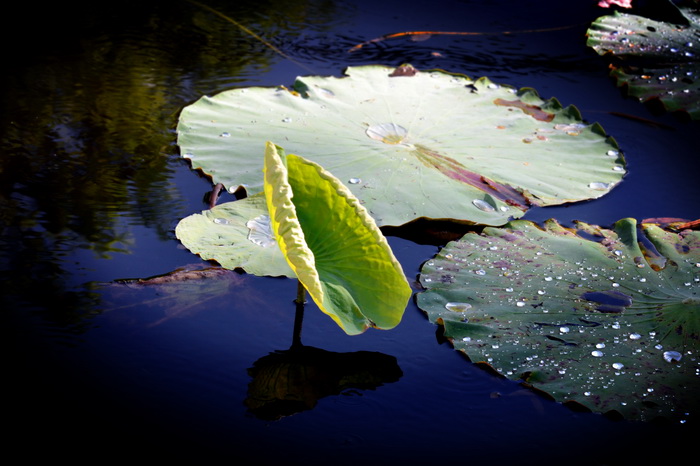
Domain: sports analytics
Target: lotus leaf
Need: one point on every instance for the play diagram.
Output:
(307, 225)
(237, 235)
(410, 143)
(333, 245)
(657, 59)
(608, 319)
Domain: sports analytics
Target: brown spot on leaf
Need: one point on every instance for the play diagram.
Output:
(404, 70)
(533, 110)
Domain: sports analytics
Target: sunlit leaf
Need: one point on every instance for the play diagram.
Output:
(655, 59)
(608, 319)
(237, 235)
(410, 143)
(333, 245)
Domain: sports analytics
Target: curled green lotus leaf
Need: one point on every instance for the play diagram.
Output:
(410, 144)
(333, 245)
(655, 59)
(608, 319)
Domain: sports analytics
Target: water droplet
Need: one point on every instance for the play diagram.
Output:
(493, 86)
(635, 336)
(520, 304)
(672, 356)
(618, 365)
(480, 272)
(599, 186)
(564, 329)
(457, 307)
(261, 231)
(613, 153)
(597, 354)
(221, 221)
(600, 345)
(225, 134)
(388, 133)
(483, 205)
(354, 181)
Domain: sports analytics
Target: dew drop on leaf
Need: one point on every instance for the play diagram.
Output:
(260, 231)
(598, 186)
(457, 307)
(672, 356)
(388, 133)
(483, 205)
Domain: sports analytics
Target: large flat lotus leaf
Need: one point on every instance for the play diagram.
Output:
(333, 245)
(607, 319)
(659, 60)
(236, 235)
(410, 144)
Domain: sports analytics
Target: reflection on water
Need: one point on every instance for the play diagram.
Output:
(86, 125)
(288, 382)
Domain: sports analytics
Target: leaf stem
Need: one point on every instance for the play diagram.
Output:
(299, 316)
(301, 293)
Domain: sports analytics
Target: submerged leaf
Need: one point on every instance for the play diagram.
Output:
(608, 319)
(333, 245)
(657, 59)
(410, 143)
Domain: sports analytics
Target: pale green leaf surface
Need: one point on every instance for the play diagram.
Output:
(333, 245)
(410, 146)
(222, 234)
(587, 314)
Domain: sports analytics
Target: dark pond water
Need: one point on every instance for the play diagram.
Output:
(92, 185)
